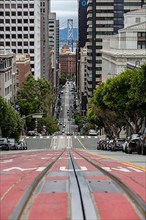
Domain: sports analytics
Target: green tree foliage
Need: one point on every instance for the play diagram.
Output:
(62, 79)
(49, 123)
(121, 100)
(10, 121)
(35, 97)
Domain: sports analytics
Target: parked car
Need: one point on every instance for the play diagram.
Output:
(101, 145)
(13, 144)
(4, 144)
(117, 144)
(22, 145)
(132, 143)
(141, 145)
(125, 144)
(92, 132)
(31, 133)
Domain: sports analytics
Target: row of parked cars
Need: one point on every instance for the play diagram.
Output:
(12, 144)
(134, 143)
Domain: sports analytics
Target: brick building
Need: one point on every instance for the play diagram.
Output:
(23, 68)
(67, 61)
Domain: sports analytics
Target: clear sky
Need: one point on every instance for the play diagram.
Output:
(65, 9)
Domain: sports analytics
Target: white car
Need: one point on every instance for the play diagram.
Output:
(92, 132)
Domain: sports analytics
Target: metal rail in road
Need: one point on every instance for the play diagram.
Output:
(74, 187)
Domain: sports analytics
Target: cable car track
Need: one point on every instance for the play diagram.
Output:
(78, 188)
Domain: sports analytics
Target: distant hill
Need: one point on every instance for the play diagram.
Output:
(63, 34)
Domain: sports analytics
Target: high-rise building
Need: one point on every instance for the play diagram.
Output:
(82, 38)
(104, 18)
(20, 30)
(52, 46)
(44, 10)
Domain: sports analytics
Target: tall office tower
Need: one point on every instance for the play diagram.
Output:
(82, 32)
(52, 46)
(104, 18)
(20, 29)
(44, 10)
(57, 54)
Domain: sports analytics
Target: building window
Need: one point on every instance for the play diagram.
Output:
(13, 35)
(13, 13)
(20, 36)
(13, 21)
(7, 6)
(25, 43)
(7, 13)
(31, 43)
(14, 43)
(19, 51)
(25, 21)
(13, 28)
(7, 43)
(31, 28)
(25, 51)
(19, 6)
(31, 5)
(19, 28)
(19, 13)
(7, 28)
(25, 35)
(31, 20)
(31, 35)
(8, 36)
(25, 6)
(8, 21)
(20, 43)
(25, 28)
(19, 21)
(31, 13)
(25, 13)
(13, 5)
(31, 50)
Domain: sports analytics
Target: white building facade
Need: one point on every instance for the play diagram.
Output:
(7, 75)
(128, 48)
(20, 30)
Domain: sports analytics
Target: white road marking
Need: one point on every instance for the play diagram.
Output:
(65, 169)
(7, 161)
(18, 168)
(24, 169)
(122, 169)
(137, 170)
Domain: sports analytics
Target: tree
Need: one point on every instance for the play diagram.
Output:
(121, 100)
(62, 79)
(10, 121)
(35, 97)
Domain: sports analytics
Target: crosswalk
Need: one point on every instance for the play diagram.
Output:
(61, 136)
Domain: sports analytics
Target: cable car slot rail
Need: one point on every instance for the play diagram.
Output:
(82, 202)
